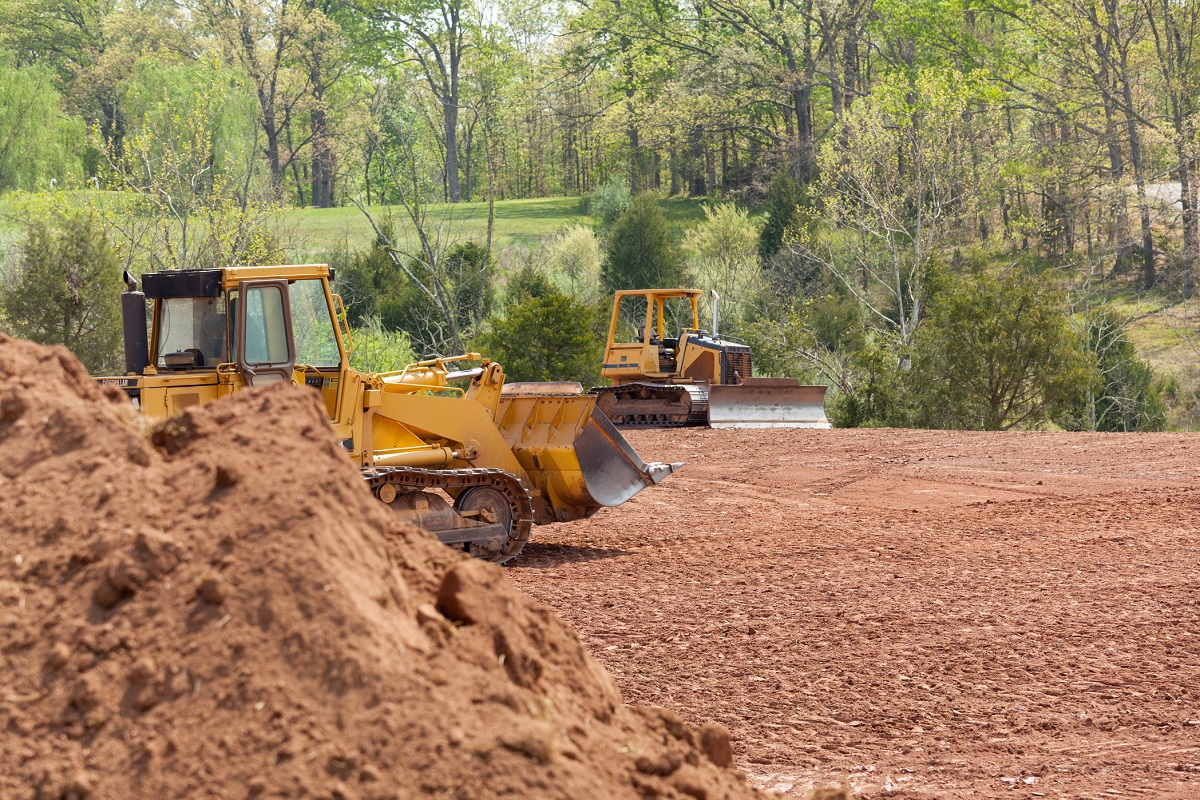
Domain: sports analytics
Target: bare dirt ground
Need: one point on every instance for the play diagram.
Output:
(914, 613)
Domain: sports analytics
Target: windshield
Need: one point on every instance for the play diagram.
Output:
(193, 325)
(313, 325)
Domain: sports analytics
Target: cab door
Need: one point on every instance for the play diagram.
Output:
(266, 351)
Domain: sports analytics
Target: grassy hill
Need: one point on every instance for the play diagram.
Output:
(313, 231)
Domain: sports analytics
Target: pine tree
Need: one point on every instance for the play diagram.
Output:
(641, 251)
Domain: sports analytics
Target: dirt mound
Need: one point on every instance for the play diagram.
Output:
(226, 612)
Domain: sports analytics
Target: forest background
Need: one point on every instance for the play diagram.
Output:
(966, 214)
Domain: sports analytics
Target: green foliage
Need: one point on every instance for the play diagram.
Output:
(783, 202)
(574, 256)
(607, 202)
(38, 142)
(66, 290)
(543, 335)
(641, 253)
(377, 349)
(722, 252)
(1123, 395)
(873, 392)
(187, 174)
(374, 285)
(995, 353)
(363, 279)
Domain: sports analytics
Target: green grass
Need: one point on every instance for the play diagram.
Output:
(312, 232)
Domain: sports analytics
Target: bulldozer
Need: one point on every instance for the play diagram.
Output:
(456, 451)
(696, 377)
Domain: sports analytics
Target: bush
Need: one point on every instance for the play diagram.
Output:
(723, 251)
(1124, 396)
(641, 253)
(574, 254)
(377, 349)
(995, 353)
(66, 290)
(373, 285)
(608, 202)
(873, 396)
(544, 334)
(362, 279)
(783, 203)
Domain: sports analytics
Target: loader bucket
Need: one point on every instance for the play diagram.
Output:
(576, 458)
(767, 403)
(611, 468)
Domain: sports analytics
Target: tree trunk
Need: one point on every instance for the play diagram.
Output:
(295, 168)
(450, 112)
(322, 160)
(467, 162)
(1135, 158)
(1191, 239)
(1116, 161)
(634, 156)
(273, 161)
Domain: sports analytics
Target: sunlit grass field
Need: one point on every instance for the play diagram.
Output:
(311, 232)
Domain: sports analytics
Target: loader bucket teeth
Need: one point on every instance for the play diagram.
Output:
(767, 403)
(612, 471)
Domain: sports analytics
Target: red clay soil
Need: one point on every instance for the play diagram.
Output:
(913, 613)
(228, 613)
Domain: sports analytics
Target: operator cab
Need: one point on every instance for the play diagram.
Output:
(262, 323)
(645, 320)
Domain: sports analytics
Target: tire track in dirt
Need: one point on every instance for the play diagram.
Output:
(915, 613)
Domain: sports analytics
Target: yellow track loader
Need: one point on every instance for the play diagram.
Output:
(695, 377)
(506, 458)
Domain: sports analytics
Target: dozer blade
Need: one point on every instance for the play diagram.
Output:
(767, 403)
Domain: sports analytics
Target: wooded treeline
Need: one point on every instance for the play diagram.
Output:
(1068, 114)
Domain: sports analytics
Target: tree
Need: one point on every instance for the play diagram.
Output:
(575, 255)
(447, 283)
(188, 169)
(723, 254)
(896, 192)
(433, 35)
(608, 202)
(783, 202)
(66, 290)
(265, 37)
(38, 142)
(996, 352)
(641, 253)
(544, 335)
(1122, 395)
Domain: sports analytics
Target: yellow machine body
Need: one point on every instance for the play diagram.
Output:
(663, 370)
(215, 332)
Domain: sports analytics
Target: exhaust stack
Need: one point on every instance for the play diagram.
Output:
(133, 327)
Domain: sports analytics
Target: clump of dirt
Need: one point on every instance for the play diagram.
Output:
(225, 611)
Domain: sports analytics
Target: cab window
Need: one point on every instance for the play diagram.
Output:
(195, 325)
(631, 320)
(313, 325)
(266, 326)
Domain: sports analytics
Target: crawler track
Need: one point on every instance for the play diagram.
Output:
(653, 405)
(457, 481)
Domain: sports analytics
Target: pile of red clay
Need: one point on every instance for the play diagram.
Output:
(223, 610)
